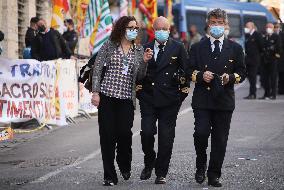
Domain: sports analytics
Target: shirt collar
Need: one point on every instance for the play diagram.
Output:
(157, 43)
(221, 40)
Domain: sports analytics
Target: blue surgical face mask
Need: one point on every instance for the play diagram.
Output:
(217, 31)
(162, 35)
(131, 35)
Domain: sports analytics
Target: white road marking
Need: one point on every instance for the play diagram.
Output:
(98, 152)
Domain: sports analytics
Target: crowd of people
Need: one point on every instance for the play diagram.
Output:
(43, 43)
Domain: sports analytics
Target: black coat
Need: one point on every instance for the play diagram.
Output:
(62, 50)
(71, 38)
(161, 86)
(30, 36)
(272, 47)
(254, 47)
(231, 61)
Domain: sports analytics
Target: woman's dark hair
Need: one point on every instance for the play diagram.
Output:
(119, 28)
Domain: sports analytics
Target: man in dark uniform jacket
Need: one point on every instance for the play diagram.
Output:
(31, 32)
(70, 35)
(254, 48)
(160, 98)
(272, 49)
(216, 65)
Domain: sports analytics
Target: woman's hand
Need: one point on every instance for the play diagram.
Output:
(148, 54)
(95, 99)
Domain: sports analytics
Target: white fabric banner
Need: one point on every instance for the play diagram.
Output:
(28, 90)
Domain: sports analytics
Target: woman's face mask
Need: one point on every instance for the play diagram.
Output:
(131, 34)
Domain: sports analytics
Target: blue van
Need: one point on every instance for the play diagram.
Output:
(193, 12)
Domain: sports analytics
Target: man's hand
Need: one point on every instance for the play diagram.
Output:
(225, 78)
(208, 76)
(148, 54)
(95, 99)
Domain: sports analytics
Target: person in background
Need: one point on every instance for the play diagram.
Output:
(227, 31)
(142, 33)
(115, 96)
(194, 35)
(216, 64)
(174, 33)
(278, 30)
(49, 44)
(253, 48)
(70, 35)
(30, 36)
(272, 50)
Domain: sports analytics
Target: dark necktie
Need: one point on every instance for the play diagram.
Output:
(160, 53)
(216, 51)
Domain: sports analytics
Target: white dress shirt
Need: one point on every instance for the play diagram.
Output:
(156, 49)
(221, 40)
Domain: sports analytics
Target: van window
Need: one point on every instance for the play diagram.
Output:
(259, 21)
(197, 18)
(235, 25)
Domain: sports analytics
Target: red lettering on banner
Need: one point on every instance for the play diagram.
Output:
(16, 111)
(69, 94)
(2, 102)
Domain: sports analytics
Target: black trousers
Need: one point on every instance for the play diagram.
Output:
(270, 78)
(281, 83)
(216, 123)
(166, 117)
(252, 64)
(115, 118)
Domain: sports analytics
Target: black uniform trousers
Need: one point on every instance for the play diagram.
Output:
(252, 64)
(115, 118)
(166, 117)
(270, 77)
(216, 123)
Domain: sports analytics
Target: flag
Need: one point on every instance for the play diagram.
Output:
(59, 10)
(133, 7)
(102, 24)
(123, 8)
(81, 9)
(149, 9)
(168, 10)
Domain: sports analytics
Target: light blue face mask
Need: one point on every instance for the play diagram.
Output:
(162, 35)
(217, 31)
(131, 35)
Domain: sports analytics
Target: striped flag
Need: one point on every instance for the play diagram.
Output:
(123, 7)
(168, 10)
(98, 24)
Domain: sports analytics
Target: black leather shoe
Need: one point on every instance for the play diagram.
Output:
(109, 183)
(126, 175)
(146, 173)
(160, 180)
(214, 182)
(250, 97)
(200, 175)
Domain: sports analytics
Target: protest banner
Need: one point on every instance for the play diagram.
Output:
(27, 90)
(68, 85)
